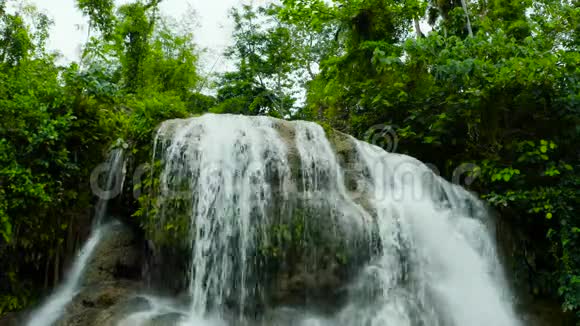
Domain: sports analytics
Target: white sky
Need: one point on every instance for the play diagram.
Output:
(213, 33)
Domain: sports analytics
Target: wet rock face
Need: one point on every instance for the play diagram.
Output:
(303, 252)
(111, 282)
(12, 319)
(304, 286)
(102, 304)
(537, 302)
(161, 261)
(119, 256)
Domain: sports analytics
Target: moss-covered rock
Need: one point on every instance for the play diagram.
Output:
(119, 256)
(304, 251)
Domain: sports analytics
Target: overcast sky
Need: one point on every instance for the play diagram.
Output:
(69, 29)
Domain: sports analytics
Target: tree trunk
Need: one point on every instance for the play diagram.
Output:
(418, 28)
(56, 265)
(464, 5)
(46, 271)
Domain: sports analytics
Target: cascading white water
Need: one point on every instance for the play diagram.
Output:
(115, 177)
(224, 163)
(54, 305)
(322, 178)
(432, 262)
(438, 264)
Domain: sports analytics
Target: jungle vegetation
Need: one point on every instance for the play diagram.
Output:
(487, 82)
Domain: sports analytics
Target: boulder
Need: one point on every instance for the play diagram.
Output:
(111, 282)
(12, 319)
(102, 304)
(117, 257)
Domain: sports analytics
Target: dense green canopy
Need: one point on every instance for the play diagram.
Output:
(495, 84)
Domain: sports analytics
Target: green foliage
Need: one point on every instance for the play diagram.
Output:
(100, 13)
(271, 62)
(149, 112)
(132, 35)
(41, 141)
(172, 62)
(170, 230)
(57, 123)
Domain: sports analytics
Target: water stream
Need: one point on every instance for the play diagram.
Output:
(53, 307)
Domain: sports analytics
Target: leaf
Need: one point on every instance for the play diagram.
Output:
(549, 216)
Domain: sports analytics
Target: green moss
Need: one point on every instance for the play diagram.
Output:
(328, 130)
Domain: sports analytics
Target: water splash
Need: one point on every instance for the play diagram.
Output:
(158, 310)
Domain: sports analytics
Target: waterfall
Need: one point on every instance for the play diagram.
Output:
(226, 165)
(115, 177)
(54, 306)
(438, 264)
(426, 246)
